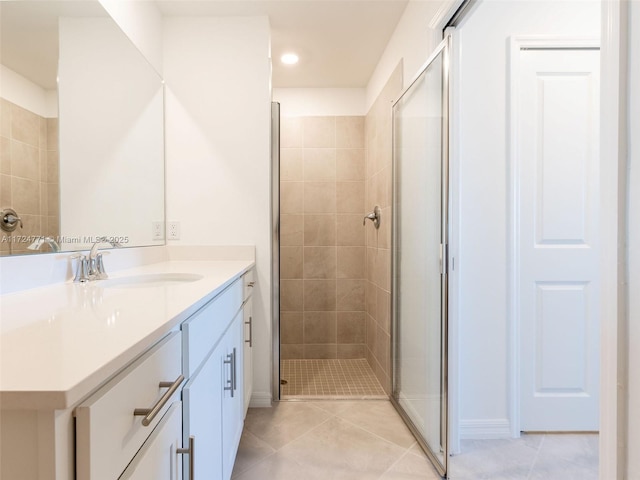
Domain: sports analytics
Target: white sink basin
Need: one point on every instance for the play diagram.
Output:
(150, 280)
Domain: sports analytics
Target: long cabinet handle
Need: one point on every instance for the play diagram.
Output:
(230, 361)
(191, 451)
(235, 372)
(250, 323)
(150, 413)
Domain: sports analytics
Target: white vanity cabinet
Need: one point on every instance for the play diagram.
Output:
(247, 311)
(213, 400)
(139, 397)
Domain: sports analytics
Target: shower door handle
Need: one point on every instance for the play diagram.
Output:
(444, 259)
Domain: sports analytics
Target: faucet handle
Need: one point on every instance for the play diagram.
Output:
(82, 270)
(100, 273)
(10, 220)
(373, 216)
(370, 216)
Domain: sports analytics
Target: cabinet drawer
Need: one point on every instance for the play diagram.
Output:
(107, 432)
(205, 328)
(248, 279)
(158, 458)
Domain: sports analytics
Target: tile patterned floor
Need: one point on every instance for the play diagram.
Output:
(329, 440)
(367, 440)
(335, 379)
(530, 457)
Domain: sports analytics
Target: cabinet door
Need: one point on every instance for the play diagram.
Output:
(158, 458)
(233, 400)
(203, 329)
(202, 397)
(247, 359)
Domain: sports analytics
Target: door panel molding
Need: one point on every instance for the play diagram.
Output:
(517, 44)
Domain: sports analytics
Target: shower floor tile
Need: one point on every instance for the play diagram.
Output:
(331, 378)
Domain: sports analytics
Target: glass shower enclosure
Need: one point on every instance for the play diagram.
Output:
(420, 147)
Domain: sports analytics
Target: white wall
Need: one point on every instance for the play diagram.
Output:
(142, 23)
(633, 244)
(218, 110)
(300, 102)
(111, 136)
(412, 41)
(482, 259)
(23, 92)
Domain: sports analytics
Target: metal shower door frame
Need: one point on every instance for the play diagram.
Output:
(275, 251)
(444, 49)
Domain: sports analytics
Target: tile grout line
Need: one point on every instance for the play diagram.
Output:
(305, 433)
(251, 467)
(240, 472)
(535, 458)
(298, 437)
(398, 460)
(373, 433)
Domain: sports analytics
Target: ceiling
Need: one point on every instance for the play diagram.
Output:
(339, 41)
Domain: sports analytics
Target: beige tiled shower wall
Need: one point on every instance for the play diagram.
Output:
(322, 254)
(378, 241)
(29, 180)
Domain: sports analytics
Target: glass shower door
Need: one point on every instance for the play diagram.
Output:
(419, 257)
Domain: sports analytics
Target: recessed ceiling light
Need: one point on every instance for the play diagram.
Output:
(289, 58)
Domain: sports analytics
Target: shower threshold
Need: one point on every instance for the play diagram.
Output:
(329, 379)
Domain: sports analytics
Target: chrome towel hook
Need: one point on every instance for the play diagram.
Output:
(374, 217)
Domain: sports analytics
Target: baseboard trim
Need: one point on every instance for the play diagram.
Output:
(485, 429)
(260, 400)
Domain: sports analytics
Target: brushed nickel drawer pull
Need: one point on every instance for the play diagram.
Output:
(150, 413)
(191, 452)
(250, 323)
(235, 372)
(230, 383)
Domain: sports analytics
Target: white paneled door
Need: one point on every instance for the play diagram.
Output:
(557, 227)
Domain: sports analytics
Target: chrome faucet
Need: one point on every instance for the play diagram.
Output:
(82, 270)
(96, 265)
(91, 267)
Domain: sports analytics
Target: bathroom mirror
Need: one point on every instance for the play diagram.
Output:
(81, 131)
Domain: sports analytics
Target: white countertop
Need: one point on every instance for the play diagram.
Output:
(59, 343)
